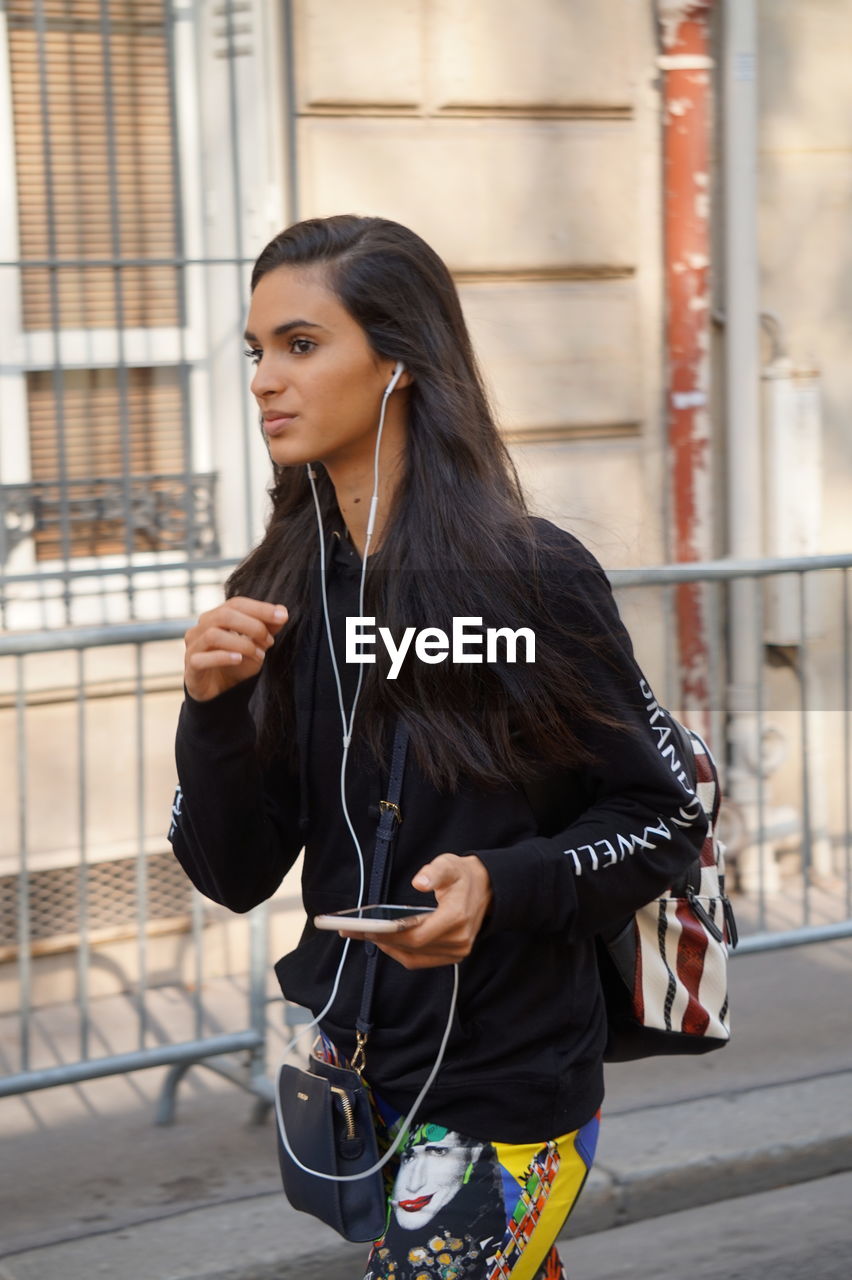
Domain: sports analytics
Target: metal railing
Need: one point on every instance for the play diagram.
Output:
(201, 1046)
(165, 511)
(778, 908)
(804, 634)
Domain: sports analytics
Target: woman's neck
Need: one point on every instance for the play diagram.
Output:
(353, 487)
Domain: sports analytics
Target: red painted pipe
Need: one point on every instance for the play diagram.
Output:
(686, 65)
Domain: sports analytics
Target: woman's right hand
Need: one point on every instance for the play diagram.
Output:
(229, 644)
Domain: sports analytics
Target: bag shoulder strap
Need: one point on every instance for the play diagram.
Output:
(389, 819)
(703, 768)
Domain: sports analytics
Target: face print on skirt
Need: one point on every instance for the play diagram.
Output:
(463, 1209)
(447, 1211)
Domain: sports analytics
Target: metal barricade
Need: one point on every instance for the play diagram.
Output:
(811, 903)
(154, 1045)
(791, 717)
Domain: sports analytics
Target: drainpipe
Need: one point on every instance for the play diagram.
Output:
(744, 482)
(742, 286)
(686, 66)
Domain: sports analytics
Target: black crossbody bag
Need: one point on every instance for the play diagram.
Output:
(327, 1147)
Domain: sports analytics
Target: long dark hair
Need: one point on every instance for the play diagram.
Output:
(458, 542)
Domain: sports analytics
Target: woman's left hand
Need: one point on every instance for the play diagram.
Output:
(447, 934)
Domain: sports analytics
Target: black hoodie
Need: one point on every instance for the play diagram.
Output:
(523, 1062)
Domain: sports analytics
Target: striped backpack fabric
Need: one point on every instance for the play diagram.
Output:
(664, 973)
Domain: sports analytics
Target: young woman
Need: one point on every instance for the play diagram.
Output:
(536, 807)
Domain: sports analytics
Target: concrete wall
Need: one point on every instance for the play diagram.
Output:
(522, 142)
(805, 215)
(81, 763)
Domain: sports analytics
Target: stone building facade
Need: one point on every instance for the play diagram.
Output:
(523, 141)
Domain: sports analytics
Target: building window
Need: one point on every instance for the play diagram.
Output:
(125, 483)
(95, 162)
(104, 462)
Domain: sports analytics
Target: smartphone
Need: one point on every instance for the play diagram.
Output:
(380, 918)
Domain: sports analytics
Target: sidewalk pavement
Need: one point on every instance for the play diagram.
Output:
(97, 1190)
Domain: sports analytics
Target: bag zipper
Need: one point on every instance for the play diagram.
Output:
(709, 923)
(348, 1110)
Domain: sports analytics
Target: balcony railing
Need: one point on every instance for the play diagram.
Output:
(100, 515)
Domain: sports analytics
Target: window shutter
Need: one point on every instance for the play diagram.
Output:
(96, 175)
(76, 431)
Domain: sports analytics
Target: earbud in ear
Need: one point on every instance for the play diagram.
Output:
(398, 371)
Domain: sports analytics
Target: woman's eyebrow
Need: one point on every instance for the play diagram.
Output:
(281, 329)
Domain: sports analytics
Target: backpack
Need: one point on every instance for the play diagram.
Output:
(664, 971)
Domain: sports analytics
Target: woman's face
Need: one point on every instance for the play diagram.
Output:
(430, 1175)
(317, 381)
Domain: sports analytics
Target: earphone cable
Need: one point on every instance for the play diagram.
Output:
(347, 726)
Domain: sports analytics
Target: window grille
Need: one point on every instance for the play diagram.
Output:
(95, 163)
(106, 382)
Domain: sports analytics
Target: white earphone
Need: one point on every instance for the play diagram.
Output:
(346, 724)
(398, 371)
